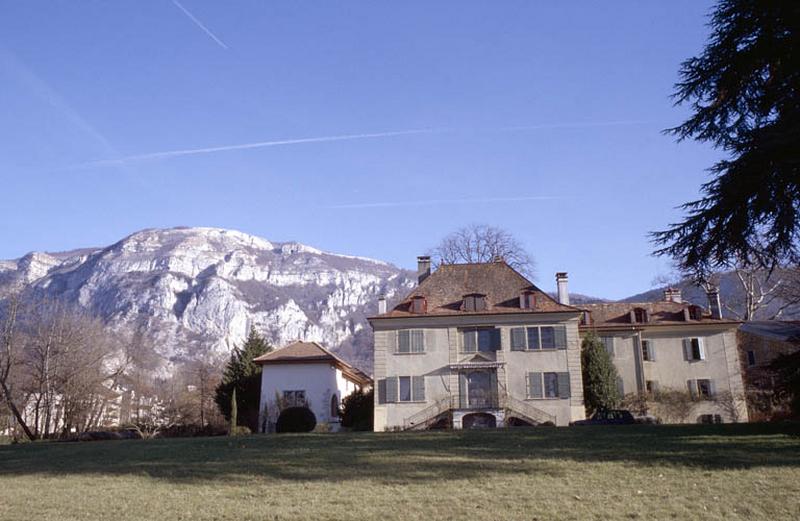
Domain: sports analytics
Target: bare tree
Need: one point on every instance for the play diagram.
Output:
(483, 243)
(10, 361)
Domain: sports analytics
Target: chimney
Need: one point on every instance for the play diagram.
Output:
(381, 304)
(561, 283)
(714, 305)
(673, 295)
(423, 268)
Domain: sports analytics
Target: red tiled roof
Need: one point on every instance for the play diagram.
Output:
(609, 314)
(311, 352)
(446, 287)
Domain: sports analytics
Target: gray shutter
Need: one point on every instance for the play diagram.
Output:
(620, 386)
(534, 385)
(391, 389)
(470, 337)
(655, 386)
(391, 341)
(518, 339)
(462, 389)
(692, 384)
(381, 391)
(561, 337)
(418, 388)
(497, 340)
(702, 348)
(651, 348)
(687, 349)
(563, 385)
(404, 341)
(608, 341)
(712, 388)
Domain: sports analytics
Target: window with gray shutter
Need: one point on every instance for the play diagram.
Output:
(608, 342)
(563, 385)
(535, 385)
(518, 339)
(418, 388)
(561, 337)
(533, 338)
(404, 341)
(404, 384)
(551, 385)
(391, 389)
(548, 337)
(692, 385)
(417, 341)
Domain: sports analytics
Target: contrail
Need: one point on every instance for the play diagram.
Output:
(199, 24)
(432, 202)
(345, 137)
(260, 144)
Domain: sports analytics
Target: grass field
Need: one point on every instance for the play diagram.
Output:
(636, 472)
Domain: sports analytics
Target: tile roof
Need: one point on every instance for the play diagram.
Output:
(782, 330)
(311, 352)
(446, 287)
(659, 313)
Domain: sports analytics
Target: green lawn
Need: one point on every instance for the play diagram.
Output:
(637, 472)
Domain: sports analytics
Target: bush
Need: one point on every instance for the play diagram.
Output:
(357, 411)
(240, 430)
(192, 431)
(296, 419)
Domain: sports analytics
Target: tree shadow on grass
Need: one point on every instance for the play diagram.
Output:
(398, 458)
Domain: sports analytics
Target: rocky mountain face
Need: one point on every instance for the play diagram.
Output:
(197, 291)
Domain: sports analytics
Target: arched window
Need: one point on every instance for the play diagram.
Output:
(335, 406)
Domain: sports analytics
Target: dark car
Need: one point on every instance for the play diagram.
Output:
(609, 417)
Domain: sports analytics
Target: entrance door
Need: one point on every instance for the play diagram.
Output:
(478, 389)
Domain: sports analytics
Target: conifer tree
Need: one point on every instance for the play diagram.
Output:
(244, 376)
(234, 413)
(599, 375)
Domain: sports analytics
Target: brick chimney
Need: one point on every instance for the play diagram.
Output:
(561, 284)
(714, 305)
(423, 268)
(673, 295)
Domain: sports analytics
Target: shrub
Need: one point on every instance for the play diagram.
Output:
(296, 419)
(357, 411)
(599, 375)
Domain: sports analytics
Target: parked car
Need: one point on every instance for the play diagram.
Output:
(615, 417)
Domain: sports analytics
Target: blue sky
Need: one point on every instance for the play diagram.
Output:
(541, 118)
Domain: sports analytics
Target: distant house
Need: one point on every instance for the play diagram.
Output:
(305, 374)
(676, 345)
(760, 343)
(476, 345)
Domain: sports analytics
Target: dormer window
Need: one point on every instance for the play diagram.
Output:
(419, 305)
(639, 316)
(474, 302)
(693, 313)
(527, 300)
(586, 318)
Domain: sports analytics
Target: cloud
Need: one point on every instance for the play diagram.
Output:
(438, 202)
(260, 144)
(199, 24)
(345, 137)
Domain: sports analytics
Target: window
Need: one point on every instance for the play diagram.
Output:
(709, 418)
(702, 389)
(411, 341)
(548, 385)
(651, 386)
(693, 349)
(751, 358)
(401, 389)
(608, 342)
(294, 398)
(527, 300)
(481, 339)
(405, 388)
(639, 316)
(419, 305)
(540, 337)
(695, 313)
(335, 406)
(647, 351)
(474, 302)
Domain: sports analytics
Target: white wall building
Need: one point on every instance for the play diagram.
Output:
(306, 374)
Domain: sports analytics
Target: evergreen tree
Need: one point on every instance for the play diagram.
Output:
(599, 375)
(244, 376)
(234, 413)
(744, 91)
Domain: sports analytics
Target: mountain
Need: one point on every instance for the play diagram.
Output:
(197, 291)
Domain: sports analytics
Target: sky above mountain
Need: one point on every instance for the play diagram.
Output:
(370, 128)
